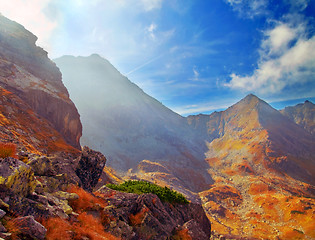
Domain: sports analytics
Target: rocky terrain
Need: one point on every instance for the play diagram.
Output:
(258, 181)
(48, 184)
(262, 164)
(26, 71)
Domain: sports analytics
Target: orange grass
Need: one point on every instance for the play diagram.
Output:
(7, 150)
(182, 235)
(138, 217)
(57, 228)
(86, 201)
(86, 227)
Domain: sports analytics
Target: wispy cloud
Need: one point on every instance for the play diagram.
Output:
(143, 65)
(287, 57)
(151, 4)
(249, 8)
(201, 108)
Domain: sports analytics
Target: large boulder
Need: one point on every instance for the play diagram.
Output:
(16, 176)
(150, 218)
(90, 168)
(30, 228)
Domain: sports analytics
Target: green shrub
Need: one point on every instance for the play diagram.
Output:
(139, 187)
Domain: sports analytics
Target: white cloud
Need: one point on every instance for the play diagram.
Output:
(279, 38)
(30, 14)
(151, 30)
(151, 4)
(249, 8)
(287, 58)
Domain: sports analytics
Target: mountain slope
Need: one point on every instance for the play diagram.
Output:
(129, 126)
(262, 163)
(252, 126)
(26, 71)
(302, 114)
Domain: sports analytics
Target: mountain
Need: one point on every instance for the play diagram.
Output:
(263, 167)
(28, 73)
(253, 126)
(139, 135)
(46, 179)
(302, 114)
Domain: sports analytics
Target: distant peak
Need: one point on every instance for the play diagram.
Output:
(251, 96)
(95, 55)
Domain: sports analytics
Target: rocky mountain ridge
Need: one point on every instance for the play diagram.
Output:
(27, 72)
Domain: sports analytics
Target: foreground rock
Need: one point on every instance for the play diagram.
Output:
(30, 228)
(144, 216)
(16, 176)
(90, 168)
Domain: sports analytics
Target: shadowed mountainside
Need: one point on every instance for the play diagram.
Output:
(129, 126)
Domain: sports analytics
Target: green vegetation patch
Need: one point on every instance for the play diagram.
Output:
(297, 212)
(139, 187)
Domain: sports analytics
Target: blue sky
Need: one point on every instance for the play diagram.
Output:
(194, 56)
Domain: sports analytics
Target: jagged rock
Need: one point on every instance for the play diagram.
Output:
(2, 213)
(31, 228)
(16, 176)
(31, 75)
(90, 168)
(66, 195)
(59, 203)
(41, 165)
(150, 218)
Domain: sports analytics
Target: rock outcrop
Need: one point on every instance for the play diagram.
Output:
(145, 216)
(90, 168)
(16, 176)
(26, 71)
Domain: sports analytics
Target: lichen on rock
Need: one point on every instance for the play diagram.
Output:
(17, 176)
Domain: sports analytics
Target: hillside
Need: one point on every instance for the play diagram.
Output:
(131, 127)
(263, 167)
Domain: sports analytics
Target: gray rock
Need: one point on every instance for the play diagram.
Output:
(31, 228)
(2, 213)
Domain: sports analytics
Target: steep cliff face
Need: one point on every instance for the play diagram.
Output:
(26, 71)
